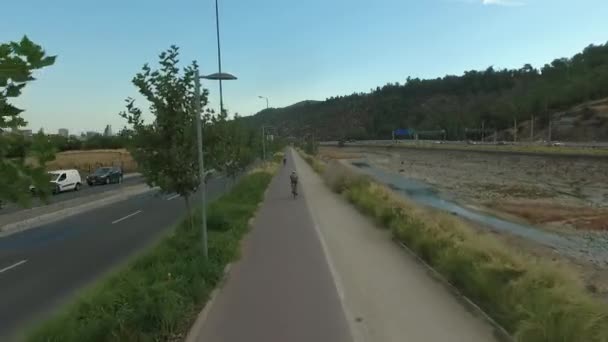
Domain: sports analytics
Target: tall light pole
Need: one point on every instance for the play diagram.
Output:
(219, 55)
(264, 141)
(199, 143)
(264, 97)
(264, 133)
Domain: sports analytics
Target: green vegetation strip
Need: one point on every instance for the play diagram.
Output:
(316, 165)
(533, 299)
(157, 296)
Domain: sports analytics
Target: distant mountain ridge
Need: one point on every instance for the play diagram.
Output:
(302, 103)
(497, 100)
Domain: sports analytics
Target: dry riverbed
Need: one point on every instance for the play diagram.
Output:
(564, 195)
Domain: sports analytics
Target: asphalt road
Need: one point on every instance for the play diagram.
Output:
(43, 267)
(86, 190)
(282, 288)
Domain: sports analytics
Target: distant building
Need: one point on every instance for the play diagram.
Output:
(91, 134)
(107, 132)
(26, 133)
(63, 132)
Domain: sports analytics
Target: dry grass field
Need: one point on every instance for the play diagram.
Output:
(88, 161)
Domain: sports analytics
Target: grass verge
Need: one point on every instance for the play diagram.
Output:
(533, 299)
(157, 296)
(316, 165)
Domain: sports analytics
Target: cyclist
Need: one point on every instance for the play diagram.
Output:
(294, 183)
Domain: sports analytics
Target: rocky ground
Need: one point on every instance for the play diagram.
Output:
(565, 195)
(553, 191)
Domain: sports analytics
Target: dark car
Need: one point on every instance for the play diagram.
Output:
(105, 175)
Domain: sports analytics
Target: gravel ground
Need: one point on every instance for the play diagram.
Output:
(565, 196)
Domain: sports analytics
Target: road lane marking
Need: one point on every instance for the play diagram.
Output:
(126, 217)
(173, 197)
(13, 266)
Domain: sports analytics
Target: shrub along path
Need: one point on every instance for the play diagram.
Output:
(388, 295)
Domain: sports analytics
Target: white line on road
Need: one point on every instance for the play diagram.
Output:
(126, 217)
(173, 197)
(13, 266)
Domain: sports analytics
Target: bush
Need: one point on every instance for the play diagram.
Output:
(217, 221)
(533, 299)
(158, 295)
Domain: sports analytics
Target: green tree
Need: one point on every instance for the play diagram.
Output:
(19, 170)
(165, 149)
(229, 144)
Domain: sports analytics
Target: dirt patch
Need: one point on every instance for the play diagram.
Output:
(538, 213)
(514, 190)
(480, 178)
(339, 154)
(563, 196)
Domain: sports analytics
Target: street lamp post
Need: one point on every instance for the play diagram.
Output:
(264, 133)
(219, 55)
(264, 97)
(263, 145)
(264, 141)
(199, 143)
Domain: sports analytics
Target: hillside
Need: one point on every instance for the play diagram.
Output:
(563, 92)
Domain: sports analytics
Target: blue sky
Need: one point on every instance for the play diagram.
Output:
(284, 49)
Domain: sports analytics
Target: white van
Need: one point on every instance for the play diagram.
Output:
(64, 180)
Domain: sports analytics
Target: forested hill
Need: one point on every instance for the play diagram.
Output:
(495, 98)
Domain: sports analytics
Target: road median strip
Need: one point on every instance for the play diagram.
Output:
(158, 295)
(533, 299)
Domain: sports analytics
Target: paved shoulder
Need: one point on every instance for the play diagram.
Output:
(281, 289)
(392, 296)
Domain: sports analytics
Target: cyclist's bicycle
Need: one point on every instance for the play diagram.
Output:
(294, 189)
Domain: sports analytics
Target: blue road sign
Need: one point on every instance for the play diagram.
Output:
(403, 131)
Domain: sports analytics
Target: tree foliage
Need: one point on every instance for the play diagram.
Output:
(495, 97)
(18, 61)
(231, 146)
(166, 148)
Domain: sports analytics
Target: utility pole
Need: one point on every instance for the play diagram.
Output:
(514, 129)
(483, 131)
(550, 127)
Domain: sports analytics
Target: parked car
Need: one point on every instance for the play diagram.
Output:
(63, 180)
(105, 175)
